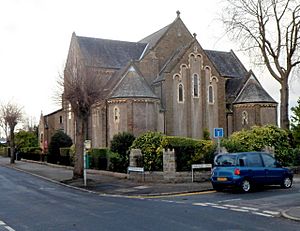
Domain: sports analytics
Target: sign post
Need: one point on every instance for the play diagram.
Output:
(87, 146)
(218, 132)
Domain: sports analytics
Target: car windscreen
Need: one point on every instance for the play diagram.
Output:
(225, 160)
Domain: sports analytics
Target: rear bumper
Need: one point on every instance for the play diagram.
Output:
(230, 183)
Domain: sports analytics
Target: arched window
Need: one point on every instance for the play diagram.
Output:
(180, 92)
(116, 114)
(244, 118)
(210, 94)
(196, 85)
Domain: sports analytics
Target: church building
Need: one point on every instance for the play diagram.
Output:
(167, 82)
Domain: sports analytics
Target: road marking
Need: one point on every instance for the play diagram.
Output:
(6, 226)
(200, 204)
(249, 208)
(262, 214)
(212, 204)
(271, 212)
(172, 195)
(219, 207)
(237, 199)
(231, 206)
(239, 210)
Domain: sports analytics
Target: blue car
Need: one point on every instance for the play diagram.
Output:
(245, 170)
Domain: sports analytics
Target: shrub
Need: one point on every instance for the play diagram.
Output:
(65, 157)
(99, 158)
(150, 145)
(29, 153)
(189, 151)
(257, 138)
(120, 144)
(58, 140)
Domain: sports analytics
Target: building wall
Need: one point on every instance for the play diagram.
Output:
(133, 115)
(247, 115)
(48, 126)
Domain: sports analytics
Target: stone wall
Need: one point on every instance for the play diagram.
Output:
(168, 174)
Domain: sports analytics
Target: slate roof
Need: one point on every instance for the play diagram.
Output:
(153, 39)
(229, 66)
(132, 85)
(109, 53)
(253, 92)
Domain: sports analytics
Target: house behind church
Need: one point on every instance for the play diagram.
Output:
(167, 82)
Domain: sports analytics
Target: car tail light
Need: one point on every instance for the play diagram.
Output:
(237, 171)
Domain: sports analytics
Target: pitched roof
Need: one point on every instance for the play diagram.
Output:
(253, 92)
(109, 53)
(153, 39)
(229, 66)
(132, 85)
(227, 63)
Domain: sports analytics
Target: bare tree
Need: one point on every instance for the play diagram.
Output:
(4, 127)
(270, 28)
(11, 115)
(81, 90)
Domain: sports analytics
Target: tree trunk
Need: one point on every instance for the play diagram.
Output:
(12, 146)
(284, 105)
(79, 147)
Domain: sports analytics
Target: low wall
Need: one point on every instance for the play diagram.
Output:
(168, 174)
(180, 177)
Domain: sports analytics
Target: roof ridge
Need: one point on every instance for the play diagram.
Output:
(112, 40)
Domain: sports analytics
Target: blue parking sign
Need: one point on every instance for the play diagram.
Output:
(218, 132)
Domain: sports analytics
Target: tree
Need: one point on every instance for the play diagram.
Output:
(81, 90)
(121, 144)
(270, 28)
(25, 139)
(58, 140)
(11, 115)
(296, 123)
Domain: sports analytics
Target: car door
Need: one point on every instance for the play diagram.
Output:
(273, 173)
(256, 168)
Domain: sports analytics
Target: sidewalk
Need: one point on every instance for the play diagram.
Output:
(103, 182)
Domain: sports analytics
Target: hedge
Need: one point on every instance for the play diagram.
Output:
(189, 151)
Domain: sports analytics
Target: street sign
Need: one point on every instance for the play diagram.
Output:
(218, 132)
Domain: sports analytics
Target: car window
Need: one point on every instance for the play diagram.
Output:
(225, 160)
(242, 160)
(269, 161)
(254, 160)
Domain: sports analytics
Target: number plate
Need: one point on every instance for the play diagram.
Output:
(221, 179)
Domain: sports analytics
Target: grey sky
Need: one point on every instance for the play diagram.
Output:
(35, 37)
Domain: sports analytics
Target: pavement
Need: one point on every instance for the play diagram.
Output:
(117, 184)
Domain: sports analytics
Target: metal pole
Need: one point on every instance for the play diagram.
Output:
(219, 148)
(84, 167)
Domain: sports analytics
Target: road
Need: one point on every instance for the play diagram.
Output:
(31, 203)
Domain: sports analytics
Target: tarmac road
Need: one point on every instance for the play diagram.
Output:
(31, 203)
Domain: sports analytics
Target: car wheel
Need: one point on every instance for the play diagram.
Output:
(246, 186)
(287, 182)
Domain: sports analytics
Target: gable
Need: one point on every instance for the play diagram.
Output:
(253, 92)
(132, 85)
(167, 40)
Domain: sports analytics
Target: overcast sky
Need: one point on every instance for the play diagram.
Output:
(35, 37)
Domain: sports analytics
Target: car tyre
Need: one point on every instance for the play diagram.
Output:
(287, 182)
(246, 186)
